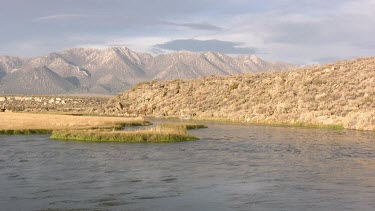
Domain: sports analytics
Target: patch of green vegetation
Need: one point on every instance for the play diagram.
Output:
(194, 127)
(120, 126)
(183, 126)
(278, 124)
(321, 126)
(25, 132)
(135, 124)
(140, 137)
(299, 124)
(222, 120)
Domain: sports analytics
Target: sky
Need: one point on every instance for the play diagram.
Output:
(296, 31)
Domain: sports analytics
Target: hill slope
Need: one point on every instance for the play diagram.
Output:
(39, 80)
(113, 70)
(337, 94)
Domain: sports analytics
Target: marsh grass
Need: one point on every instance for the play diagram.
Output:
(276, 124)
(164, 133)
(135, 124)
(183, 126)
(105, 136)
(300, 124)
(120, 126)
(25, 132)
(319, 126)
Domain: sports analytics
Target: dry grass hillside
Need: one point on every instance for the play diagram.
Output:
(340, 94)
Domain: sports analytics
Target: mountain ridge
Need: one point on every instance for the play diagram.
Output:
(115, 69)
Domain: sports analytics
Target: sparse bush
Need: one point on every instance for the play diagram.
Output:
(233, 86)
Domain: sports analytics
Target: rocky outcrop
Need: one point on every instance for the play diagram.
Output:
(336, 94)
(69, 104)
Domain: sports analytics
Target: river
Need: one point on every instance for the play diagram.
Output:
(231, 167)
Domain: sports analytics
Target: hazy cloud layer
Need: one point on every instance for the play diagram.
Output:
(206, 45)
(196, 26)
(300, 31)
(62, 17)
(120, 19)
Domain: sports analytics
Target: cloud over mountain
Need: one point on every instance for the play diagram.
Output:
(206, 45)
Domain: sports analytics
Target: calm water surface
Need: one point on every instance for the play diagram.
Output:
(232, 167)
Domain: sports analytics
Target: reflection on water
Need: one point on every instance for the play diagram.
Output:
(232, 167)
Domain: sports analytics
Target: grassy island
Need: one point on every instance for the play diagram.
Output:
(159, 134)
(93, 128)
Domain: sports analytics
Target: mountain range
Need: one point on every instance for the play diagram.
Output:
(113, 70)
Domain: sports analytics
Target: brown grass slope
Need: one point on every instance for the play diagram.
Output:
(340, 94)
